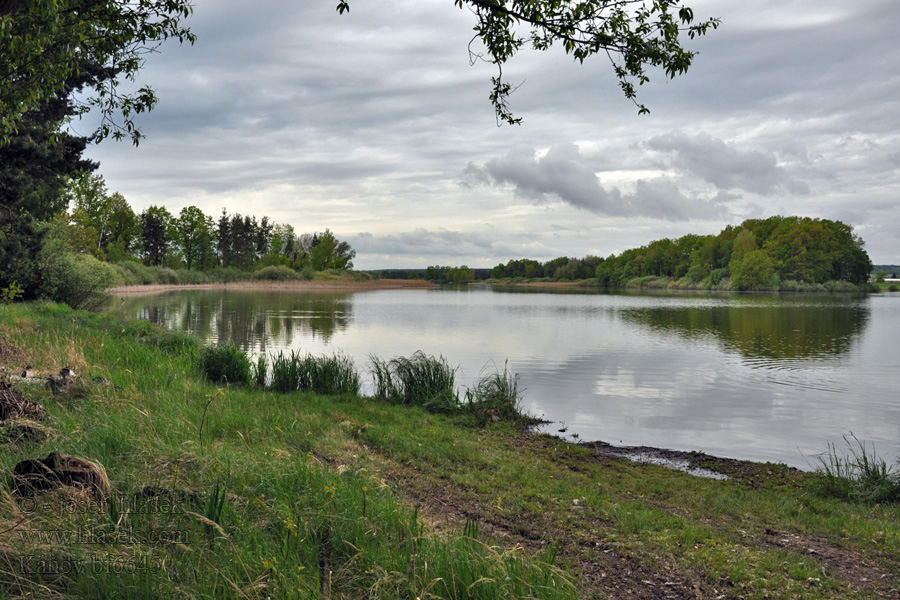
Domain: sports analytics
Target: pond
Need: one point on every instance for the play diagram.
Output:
(754, 376)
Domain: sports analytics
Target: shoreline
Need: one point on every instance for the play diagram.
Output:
(313, 285)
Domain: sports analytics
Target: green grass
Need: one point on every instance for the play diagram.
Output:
(857, 473)
(419, 380)
(303, 495)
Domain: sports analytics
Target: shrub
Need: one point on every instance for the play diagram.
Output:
(77, 280)
(226, 275)
(716, 277)
(892, 287)
(190, 277)
(225, 363)
(276, 273)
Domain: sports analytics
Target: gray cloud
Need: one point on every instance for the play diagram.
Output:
(363, 122)
(563, 174)
(725, 166)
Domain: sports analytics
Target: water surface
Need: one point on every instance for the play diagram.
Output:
(756, 376)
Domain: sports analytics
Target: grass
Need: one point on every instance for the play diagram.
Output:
(333, 375)
(303, 495)
(419, 380)
(225, 363)
(858, 473)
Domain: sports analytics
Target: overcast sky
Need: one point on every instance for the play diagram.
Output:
(374, 124)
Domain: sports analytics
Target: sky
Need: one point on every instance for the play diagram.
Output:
(376, 125)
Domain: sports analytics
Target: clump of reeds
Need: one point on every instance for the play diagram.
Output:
(858, 474)
(261, 371)
(335, 374)
(225, 363)
(496, 397)
(420, 380)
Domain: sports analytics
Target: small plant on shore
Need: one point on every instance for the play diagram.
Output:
(225, 363)
(496, 397)
(858, 474)
(261, 371)
(419, 380)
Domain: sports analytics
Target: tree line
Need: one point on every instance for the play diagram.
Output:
(757, 254)
(105, 226)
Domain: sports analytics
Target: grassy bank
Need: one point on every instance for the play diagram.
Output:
(244, 492)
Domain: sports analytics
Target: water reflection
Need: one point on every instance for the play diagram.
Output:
(766, 328)
(255, 320)
(764, 377)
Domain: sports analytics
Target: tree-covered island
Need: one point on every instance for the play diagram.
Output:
(778, 253)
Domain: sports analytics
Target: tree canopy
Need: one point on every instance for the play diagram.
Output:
(635, 35)
(45, 44)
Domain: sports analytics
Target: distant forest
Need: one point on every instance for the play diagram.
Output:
(786, 253)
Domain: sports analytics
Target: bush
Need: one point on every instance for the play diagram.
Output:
(276, 273)
(190, 277)
(79, 280)
(226, 275)
(225, 363)
(892, 287)
(716, 277)
(141, 273)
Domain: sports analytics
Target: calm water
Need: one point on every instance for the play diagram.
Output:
(761, 377)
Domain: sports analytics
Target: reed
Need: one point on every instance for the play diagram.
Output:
(496, 397)
(857, 474)
(225, 363)
(420, 380)
(335, 374)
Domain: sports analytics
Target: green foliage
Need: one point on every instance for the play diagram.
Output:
(11, 293)
(635, 39)
(45, 45)
(420, 380)
(754, 271)
(496, 397)
(892, 287)
(438, 274)
(858, 474)
(332, 375)
(759, 254)
(156, 234)
(276, 273)
(194, 237)
(225, 363)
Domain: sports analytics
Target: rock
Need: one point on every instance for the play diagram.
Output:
(60, 469)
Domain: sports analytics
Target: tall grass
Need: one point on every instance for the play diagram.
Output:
(225, 363)
(857, 474)
(496, 397)
(335, 374)
(419, 380)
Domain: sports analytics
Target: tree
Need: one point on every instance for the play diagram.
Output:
(635, 35)
(45, 45)
(331, 253)
(35, 164)
(193, 236)
(156, 223)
